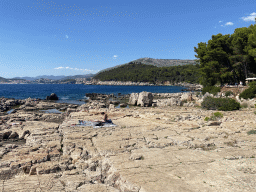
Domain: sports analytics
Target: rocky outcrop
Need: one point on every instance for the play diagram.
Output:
(133, 99)
(53, 96)
(151, 149)
(145, 99)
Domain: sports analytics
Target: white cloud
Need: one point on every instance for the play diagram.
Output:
(229, 23)
(220, 21)
(67, 36)
(59, 68)
(115, 56)
(251, 17)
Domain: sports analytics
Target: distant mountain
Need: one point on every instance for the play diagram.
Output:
(52, 77)
(156, 62)
(164, 62)
(22, 78)
(41, 77)
(79, 76)
(3, 79)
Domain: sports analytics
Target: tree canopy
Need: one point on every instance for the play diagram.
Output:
(148, 73)
(228, 58)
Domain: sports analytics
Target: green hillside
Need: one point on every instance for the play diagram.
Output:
(157, 62)
(149, 73)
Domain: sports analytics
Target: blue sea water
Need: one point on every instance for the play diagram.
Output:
(74, 92)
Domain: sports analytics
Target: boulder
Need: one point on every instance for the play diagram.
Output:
(133, 99)
(53, 96)
(123, 105)
(111, 106)
(145, 99)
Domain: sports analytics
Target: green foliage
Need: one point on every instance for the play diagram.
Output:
(228, 93)
(228, 58)
(222, 104)
(214, 117)
(211, 89)
(251, 132)
(218, 114)
(248, 93)
(148, 73)
(207, 118)
(252, 84)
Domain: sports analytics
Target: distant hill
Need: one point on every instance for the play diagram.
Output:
(52, 77)
(79, 76)
(40, 77)
(156, 62)
(3, 79)
(138, 72)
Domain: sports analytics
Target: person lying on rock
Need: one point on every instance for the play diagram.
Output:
(105, 117)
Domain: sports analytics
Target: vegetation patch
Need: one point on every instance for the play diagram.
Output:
(244, 105)
(251, 132)
(214, 117)
(228, 93)
(248, 93)
(139, 72)
(211, 89)
(222, 104)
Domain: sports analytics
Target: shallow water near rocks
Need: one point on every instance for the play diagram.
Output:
(52, 111)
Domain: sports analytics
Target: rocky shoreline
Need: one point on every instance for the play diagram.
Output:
(166, 147)
(188, 86)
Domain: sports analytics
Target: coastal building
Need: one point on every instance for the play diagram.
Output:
(248, 80)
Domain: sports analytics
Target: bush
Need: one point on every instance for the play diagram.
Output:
(251, 132)
(228, 93)
(211, 89)
(218, 114)
(250, 92)
(207, 118)
(222, 104)
(214, 117)
(252, 84)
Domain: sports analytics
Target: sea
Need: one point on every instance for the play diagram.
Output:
(75, 93)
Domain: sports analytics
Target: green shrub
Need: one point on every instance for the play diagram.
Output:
(222, 104)
(211, 89)
(252, 84)
(207, 118)
(251, 132)
(228, 93)
(218, 114)
(248, 93)
(214, 117)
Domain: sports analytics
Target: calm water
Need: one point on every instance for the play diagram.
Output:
(69, 92)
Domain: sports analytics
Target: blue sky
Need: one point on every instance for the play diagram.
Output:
(64, 37)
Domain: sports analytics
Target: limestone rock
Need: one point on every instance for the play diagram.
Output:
(133, 99)
(145, 99)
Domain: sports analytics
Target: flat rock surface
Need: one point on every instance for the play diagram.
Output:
(150, 149)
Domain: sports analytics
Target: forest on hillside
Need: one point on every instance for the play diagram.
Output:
(148, 73)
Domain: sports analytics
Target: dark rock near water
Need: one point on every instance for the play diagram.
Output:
(53, 96)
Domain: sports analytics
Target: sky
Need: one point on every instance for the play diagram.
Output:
(74, 37)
